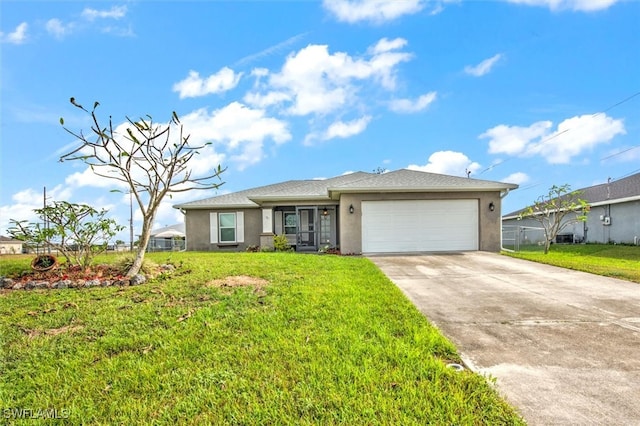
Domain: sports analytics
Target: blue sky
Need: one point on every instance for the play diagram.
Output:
(533, 92)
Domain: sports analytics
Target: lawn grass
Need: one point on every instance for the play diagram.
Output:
(329, 340)
(610, 260)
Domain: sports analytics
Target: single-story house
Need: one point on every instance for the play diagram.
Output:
(614, 215)
(168, 238)
(10, 245)
(400, 211)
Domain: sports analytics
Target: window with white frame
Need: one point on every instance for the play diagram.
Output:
(226, 227)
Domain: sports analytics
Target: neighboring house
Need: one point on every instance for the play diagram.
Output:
(10, 246)
(169, 238)
(400, 211)
(614, 216)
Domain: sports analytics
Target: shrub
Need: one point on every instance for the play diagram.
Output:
(280, 243)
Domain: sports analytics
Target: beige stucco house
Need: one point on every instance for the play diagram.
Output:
(10, 245)
(395, 212)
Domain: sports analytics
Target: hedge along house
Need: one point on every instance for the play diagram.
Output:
(394, 212)
(614, 215)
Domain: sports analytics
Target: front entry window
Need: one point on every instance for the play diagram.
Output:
(290, 223)
(325, 229)
(227, 227)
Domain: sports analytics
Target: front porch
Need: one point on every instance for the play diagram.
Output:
(306, 227)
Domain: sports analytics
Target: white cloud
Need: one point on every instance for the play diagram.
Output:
(237, 133)
(238, 130)
(314, 81)
(572, 137)
(376, 11)
(194, 85)
(343, 130)
(88, 178)
(17, 36)
(518, 178)
(448, 163)
(271, 50)
(575, 5)
(410, 106)
(263, 101)
(483, 67)
(58, 29)
(514, 140)
(116, 12)
(385, 45)
(25, 201)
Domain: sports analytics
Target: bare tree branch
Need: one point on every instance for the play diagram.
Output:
(148, 158)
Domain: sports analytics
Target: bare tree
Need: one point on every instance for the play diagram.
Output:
(148, 158)
(555, 211)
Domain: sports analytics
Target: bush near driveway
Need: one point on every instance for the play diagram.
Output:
(247, 338)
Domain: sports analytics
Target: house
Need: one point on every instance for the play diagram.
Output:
(614, 215)
(400, 211)
(168, 238)
(10, 245)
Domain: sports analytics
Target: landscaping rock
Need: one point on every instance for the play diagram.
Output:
(62, 284)
(92, 283)
(138, 279)
(6, 282)
(33, 285)
(18, 286)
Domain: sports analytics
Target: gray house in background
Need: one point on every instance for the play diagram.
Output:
(10, 246)
(614, 216)
(400, 211)
(168, 238)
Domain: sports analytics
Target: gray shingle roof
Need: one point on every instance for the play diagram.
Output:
(405, 180)
(292, 189)
(327, 189)
(611, 192)
(4, 239)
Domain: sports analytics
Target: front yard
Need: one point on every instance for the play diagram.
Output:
(610, 260)
(277, 338)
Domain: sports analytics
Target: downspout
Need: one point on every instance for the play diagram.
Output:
(184, 213)
(502, 195)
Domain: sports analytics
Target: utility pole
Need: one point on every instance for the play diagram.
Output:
(44, 217)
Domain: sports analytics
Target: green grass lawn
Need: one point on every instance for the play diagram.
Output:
(326, 340)
(603, 259)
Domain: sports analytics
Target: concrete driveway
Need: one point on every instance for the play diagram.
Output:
(563, 346)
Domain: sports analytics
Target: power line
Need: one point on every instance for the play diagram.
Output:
(627, 99)
(620, 103)
(618, 153)
(628, 174)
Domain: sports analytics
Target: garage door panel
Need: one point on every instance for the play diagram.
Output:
(419, 225)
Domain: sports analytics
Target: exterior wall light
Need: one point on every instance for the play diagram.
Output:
(492, 206)
(325, 212)
(351, 209)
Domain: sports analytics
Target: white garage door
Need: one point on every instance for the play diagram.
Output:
(419, 225)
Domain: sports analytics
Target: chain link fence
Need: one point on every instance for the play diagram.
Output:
(518, 238)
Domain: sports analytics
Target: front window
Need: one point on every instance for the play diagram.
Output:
(227, 227)
(290, 223)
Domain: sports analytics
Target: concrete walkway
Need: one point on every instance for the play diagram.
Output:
(564, 346)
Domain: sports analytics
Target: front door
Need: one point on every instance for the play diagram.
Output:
(306, 237)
